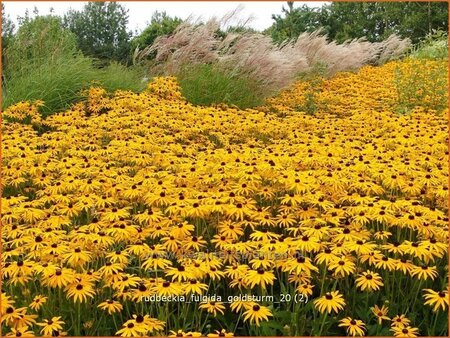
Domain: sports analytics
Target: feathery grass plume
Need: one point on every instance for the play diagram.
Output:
(392, 48)
(244, 53)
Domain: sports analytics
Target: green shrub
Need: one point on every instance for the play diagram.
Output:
(206, 84)
(433, 47)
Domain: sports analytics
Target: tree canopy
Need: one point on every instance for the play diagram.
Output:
(373, 20)
(101, 30)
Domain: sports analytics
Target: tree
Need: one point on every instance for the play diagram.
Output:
(294, 21)
(377, 20)
(160, 24)
(7, 28)
(373, 20)
(101, 30)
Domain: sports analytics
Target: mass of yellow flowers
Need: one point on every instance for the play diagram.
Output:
(139, 214)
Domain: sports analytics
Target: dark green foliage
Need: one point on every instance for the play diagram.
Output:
(101, 30)
(373, 20)
(378, 20)
(314, 80)
(294, 21)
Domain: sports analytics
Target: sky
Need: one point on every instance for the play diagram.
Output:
(140, 12)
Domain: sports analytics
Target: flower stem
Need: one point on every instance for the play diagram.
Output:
(323, 323)
(79, 319)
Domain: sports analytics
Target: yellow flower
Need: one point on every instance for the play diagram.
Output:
(256, 313)
(125, 194)
(259, 277)
(331, 301)
(80, 291)
(166, 288)
(424, 272)
(400, 321)
(438, 299)
(355, 327)
(20, 332)
(342, 266)
(193, 286)
(61, 277)
(221, 333)
(179, 274)
(130, 329)
(369, 280)
(181, 333)
(406, 331)
(50, 325)
(380, 313)
(111, 306)
(212, 307)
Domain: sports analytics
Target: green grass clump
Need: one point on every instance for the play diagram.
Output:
(42, 63)
(59, 82)
(119, 77)
(206, 84)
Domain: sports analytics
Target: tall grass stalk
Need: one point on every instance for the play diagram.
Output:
(58, 83)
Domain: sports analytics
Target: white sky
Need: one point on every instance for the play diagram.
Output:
(141, 12)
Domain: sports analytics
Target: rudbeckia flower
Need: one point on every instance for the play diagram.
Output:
(256, 313)
(355, 327)
(438, 299)
(331, 301)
